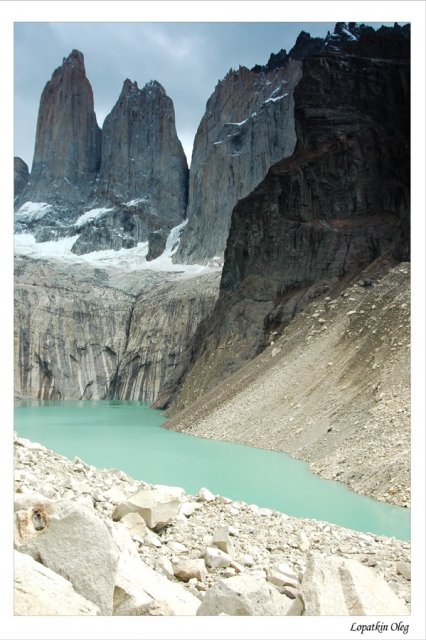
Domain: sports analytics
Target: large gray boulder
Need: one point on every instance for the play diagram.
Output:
(73, 542)
(246, 595)
(335, 586)
(38, 591)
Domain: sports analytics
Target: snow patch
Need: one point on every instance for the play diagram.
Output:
(275, 99)
(25, 244)
(350, 35)
(136, 201)
(32, 211)
(124, 259)
(93, 214)
(238, 124)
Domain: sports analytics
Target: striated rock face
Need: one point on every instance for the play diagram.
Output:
(20, 175)
(248, 125)
(337, 203)
(81, 334)
(68, 139)
(69, 334)
(163, 322)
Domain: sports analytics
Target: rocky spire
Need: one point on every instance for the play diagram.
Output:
(142, 157)
(68, 139)
(20, 175)
(248, 125)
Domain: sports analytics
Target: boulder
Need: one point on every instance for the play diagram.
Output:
(205, 495)
(114, 495)
(404, 569)
(130, 598)
(135, 524)
(137, 585)
(29, 500)
(157, 506)
(337, 586)
(38, 591)
(282, 575)
(186, 569)
(163, 565)
(216, 558)
(139, 590)
(221, 540)
(176, 547)
(246, 595)
(72, 541)
(188, 508)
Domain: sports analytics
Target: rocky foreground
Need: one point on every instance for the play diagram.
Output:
(97, 542)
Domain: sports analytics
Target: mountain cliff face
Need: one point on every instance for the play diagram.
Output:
(144, 174)
(320, 216)
(331, 117)
(20, 175)
(248, 125)
(68, 139)
(132, 176)
(142, 157)
(86, 333)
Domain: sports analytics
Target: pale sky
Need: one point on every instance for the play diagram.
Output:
(188, 59)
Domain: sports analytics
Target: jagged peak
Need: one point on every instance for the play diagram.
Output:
(346, 37)
(153, 88)
(129, 88)
(75, 59)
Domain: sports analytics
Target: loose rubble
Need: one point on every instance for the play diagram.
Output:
(333, 389)
(80, 552)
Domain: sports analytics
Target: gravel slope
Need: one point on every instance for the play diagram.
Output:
(333, 389)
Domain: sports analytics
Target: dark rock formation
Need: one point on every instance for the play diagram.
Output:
(320, 216)
(248, 125)
(246, 129)
(20, 175)
(68, 139)
(157, 243)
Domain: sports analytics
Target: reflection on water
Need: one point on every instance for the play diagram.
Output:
(128, 436)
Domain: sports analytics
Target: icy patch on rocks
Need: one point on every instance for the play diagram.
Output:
(93, 214)
(31, 211)
(133, 259)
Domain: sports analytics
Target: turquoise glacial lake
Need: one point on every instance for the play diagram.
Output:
(129, 436)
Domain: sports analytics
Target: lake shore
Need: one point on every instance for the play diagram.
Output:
(254, 542)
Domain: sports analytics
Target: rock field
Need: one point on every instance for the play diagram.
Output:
(96, 542)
